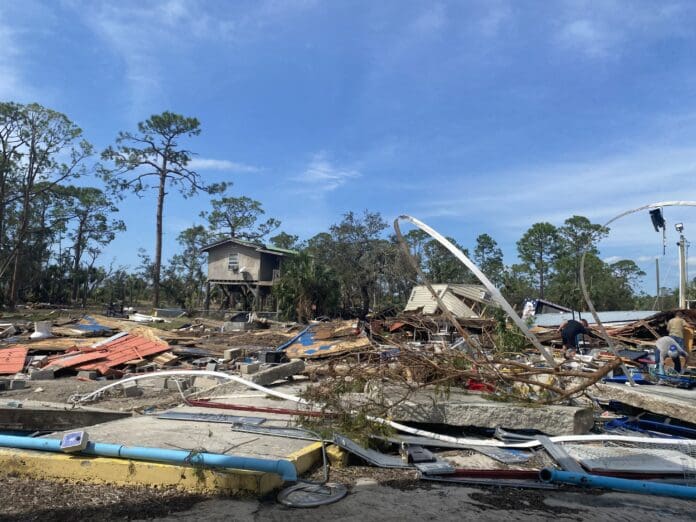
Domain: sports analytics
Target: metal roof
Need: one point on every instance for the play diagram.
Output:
(625, 316)
(12, 359)
(108, 355)
(259, 247)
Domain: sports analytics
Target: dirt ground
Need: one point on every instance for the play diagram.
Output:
(390, 496)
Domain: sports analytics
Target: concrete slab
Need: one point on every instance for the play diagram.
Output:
(46, 416)
(275, 373)
(468, 409)
(662, 400)
(148, 430)
(195, 436)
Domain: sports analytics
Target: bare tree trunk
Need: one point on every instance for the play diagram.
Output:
(158, 244)
(76, 263)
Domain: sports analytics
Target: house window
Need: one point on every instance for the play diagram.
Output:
(233, 262)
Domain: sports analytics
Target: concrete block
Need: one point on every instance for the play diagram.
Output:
(130, 389)
(205, 383)
(231, 354)
(43, 374)
(84, 374)
(18, 384)
(275, 373)
(170, 383)
(248, 369)
(211, 366)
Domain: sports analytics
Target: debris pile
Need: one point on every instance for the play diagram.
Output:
(505, 402)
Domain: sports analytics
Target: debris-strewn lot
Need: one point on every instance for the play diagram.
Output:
(25, 499)
(429, 413)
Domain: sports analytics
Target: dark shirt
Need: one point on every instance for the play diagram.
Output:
(571, 331)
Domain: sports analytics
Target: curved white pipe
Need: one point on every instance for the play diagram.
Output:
(495, 293)
(180, 373)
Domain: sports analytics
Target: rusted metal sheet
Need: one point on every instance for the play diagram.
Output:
(122, 350)
(73, 359)
(108, 355)
(12, 359)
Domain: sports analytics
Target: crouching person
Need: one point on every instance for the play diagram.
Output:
(668, 347)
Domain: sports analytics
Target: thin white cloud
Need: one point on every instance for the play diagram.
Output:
(222, 165)
(591, 37)
(613, 259)
(141, 33)
(605, 30)
(322, 176)
(13, 80)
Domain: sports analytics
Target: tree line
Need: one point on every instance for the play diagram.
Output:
(59, 210)
(367, 270)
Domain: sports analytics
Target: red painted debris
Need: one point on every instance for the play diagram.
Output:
(12, 359)
(124, 349)
(109, 355)
(394, 327)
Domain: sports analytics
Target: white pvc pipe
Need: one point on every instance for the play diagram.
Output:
(402, 427)
(180, 373)
(495, 293)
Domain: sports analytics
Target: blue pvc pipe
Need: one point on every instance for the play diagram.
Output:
(282, 467)
(633, 486)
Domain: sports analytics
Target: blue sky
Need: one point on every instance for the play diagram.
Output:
(474, 116)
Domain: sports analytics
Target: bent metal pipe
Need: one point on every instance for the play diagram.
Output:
(583, 285)
(495, 293)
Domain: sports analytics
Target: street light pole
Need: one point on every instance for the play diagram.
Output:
(682, 265)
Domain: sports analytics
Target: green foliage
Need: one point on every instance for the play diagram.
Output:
(489, 258)
(306, 289)
(509, 338)
(40, 149)
(184, 277)
(538, 249)
(154, 152)
(442, 267)
(239, 217)
(357, 254)
(284, 240)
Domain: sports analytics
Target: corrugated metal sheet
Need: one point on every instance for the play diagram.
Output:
(73, 359)
(606, 317)
(123, 350)
(12, 359)
(109, 354)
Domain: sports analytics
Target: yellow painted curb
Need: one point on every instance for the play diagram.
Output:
(104, 470)
(306, 458)
(338, 457)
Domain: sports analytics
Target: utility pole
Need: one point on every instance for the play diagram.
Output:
(657, 279)
(682, 265)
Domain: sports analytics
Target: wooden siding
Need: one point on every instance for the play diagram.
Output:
(249, 259)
